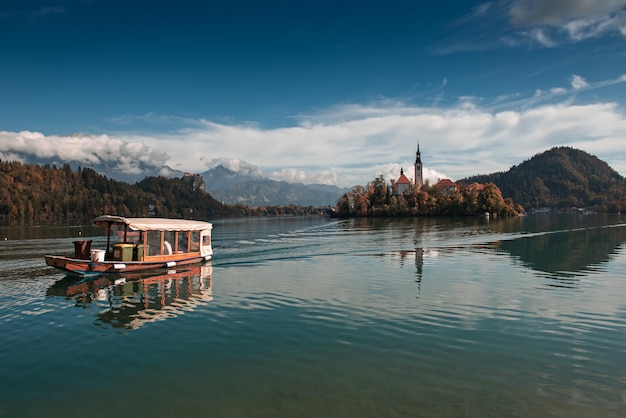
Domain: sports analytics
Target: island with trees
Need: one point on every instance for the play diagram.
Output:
(379, 198)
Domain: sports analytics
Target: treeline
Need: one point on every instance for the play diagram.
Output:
(50, 194)
(562, 178)
(44, 193)
(378, 198)
(279, 210)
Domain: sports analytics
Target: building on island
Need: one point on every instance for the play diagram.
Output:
(419, 175)
(447, 185)
(403, 182)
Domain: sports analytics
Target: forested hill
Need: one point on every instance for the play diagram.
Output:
(36, 193)
(561, 177)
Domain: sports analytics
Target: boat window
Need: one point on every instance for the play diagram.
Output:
(183, 242)
(169, 239)
(206, 240)
(195, 241)
(132, 237)
(154, 242)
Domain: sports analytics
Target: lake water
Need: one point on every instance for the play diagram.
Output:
(315, 317)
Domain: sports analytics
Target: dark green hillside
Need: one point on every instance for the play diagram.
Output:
(44, 193)
(183, 197)
(560, 178)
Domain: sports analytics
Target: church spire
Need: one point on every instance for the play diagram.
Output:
(419, 180)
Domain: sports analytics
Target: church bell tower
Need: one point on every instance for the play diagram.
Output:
(419, 179)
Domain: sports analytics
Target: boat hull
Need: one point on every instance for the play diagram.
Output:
(80, 266)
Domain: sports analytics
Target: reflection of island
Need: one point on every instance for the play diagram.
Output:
(134, 300)
(564, 255)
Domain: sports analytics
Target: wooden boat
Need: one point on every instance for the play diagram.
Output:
(145, 244)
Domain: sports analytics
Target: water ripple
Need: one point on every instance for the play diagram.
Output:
(329, 318)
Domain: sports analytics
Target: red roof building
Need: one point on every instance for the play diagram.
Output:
(476, 186)
(403, 182)
(447, 185)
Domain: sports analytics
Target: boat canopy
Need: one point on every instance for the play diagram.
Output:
(152, 224)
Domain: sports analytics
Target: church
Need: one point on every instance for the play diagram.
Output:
(403, 182)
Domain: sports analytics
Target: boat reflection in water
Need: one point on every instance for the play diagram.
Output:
(132, 300)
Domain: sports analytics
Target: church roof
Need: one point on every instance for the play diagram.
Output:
(445, 183)
(403, 179)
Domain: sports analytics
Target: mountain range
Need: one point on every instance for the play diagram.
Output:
(252, 189)
(230, 181)
(561, 177)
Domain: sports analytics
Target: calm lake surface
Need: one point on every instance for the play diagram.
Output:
(314, 317)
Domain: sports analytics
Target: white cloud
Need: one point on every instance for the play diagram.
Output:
(578, 82)
(573, 20)
(532, 23)
(294, 175)
(541, 37)
(123, 156)
(235, 164)
(352, 144)
(557, 12)
(11, 156)
(392, 171)
(558, 90)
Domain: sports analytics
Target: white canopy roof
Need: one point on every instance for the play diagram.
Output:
(153, 224)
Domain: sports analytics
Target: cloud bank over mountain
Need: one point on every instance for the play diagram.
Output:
(118, 155)
(237, 165)
(353, 143)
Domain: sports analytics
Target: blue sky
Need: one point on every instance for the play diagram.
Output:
(332, 92)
